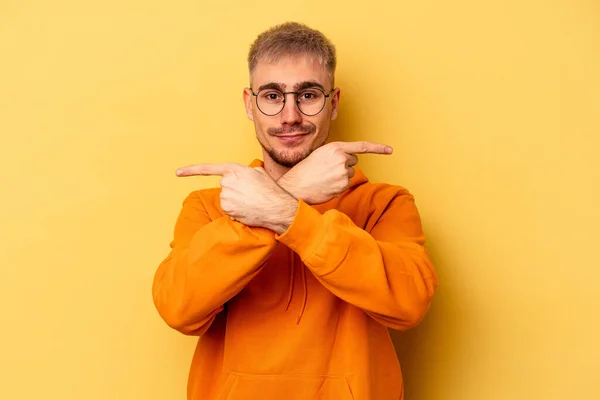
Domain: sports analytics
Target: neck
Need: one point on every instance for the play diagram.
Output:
(274, 170)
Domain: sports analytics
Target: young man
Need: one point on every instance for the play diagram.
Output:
(293, 270)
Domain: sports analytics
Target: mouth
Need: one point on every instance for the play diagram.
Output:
(292, 138)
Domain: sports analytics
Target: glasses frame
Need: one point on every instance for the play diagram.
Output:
(297, 102)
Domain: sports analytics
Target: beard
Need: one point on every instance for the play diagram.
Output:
(289, 157)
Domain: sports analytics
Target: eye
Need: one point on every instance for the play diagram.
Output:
(310, 95)
(272, 96)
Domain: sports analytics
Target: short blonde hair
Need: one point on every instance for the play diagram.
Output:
(292, 38)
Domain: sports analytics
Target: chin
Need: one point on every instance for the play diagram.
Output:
(288, 158)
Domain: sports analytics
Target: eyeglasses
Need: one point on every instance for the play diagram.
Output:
(310, 101)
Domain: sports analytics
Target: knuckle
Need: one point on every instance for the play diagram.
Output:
(226, 208)
(336, 147)
(341, 185)
(340, 156)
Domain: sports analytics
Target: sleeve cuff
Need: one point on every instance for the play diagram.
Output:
(262, 232)
(257, 231)
(306, 231)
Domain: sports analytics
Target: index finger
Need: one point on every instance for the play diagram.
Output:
(206, 169)
(365, 147)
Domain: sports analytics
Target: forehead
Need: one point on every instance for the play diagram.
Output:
(290, 71)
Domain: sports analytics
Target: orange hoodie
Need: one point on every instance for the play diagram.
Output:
(302, 315)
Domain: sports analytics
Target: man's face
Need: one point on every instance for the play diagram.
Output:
(290, 136)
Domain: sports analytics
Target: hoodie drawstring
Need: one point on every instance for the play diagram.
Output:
(305, 297)
(292, 263)
(291, 288)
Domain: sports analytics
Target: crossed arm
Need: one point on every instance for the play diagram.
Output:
(386, 272)
(250, 196)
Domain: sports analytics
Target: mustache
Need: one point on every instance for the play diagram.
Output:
(287, 129)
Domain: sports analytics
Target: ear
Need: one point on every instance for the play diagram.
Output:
(249, 103)
(335, 101)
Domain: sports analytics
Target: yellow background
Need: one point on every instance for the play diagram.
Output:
(493, 110)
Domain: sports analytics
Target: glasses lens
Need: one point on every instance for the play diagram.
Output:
(311, 101)
(270, 101)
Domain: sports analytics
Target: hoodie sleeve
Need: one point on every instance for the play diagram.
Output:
(386, 272)
(209, 263)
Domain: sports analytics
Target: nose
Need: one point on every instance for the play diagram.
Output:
(290, 114)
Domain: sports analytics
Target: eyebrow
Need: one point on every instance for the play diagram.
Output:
(308, 84)
(272, 85)
(297, 87)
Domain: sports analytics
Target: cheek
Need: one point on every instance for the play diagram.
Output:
(322, 123)
(259, 124)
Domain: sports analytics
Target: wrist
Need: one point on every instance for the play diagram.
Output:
(286, 185)
(283, 214)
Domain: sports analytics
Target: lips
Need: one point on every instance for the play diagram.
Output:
(291, 135)
(291, 130)
(291, 138)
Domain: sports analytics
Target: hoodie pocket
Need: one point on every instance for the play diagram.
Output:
(240, 386)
